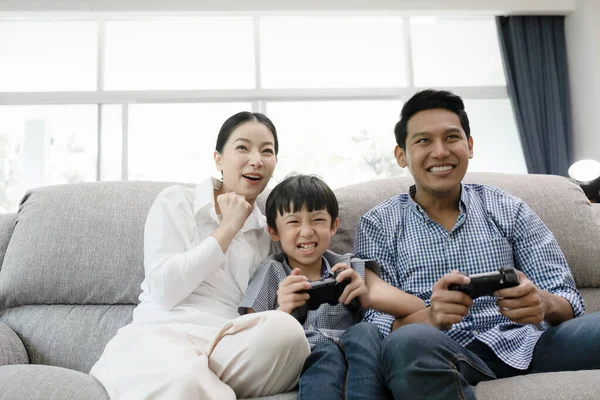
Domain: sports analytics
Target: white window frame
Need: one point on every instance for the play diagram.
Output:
(258, 96)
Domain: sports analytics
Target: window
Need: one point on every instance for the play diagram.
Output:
(175, 142)
(140, 97)
(47, 56)
(332, 52)
(45, 145)
(363, 150)
(456, 52)
(182, 54)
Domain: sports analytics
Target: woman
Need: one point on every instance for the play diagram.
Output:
(201, 247)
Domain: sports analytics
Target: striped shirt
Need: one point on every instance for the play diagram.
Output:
(326, 323)
(493, 229)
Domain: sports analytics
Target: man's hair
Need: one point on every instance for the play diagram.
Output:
(296, 191)
(430, 99)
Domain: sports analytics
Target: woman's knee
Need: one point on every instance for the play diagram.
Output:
(281, 330)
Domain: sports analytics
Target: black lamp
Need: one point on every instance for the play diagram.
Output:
(587, 174)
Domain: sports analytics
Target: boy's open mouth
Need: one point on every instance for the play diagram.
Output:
(307, 246)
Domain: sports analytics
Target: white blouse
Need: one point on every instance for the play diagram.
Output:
(188, 277)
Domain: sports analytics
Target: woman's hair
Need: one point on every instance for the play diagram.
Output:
(297, 191)
(242, 117)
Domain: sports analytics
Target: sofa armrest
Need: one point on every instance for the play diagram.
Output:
(7, 225)
(12, 350)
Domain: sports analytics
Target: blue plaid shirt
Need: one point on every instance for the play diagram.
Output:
(493, 229)
(326, 323)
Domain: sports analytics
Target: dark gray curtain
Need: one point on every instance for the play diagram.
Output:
(535, 61)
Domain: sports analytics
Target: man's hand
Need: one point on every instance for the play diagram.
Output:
(356, 287)
(523, 304)
(449, 307)
(287, 293)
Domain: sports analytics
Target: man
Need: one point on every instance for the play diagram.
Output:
(424, 238)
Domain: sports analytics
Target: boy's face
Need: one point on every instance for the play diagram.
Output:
(304, 236)
(437, 151)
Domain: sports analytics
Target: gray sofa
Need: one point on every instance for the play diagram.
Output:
(71, 268)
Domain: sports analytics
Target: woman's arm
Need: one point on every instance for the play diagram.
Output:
(173, 270)
(389, 299)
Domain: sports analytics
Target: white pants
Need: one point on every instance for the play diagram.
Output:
(251, 356)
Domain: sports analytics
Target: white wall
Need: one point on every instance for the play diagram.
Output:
(583, 51)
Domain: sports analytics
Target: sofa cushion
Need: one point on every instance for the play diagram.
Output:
(591, 298)
(40, 382)
(78, 244)
(69, 336)
(558, 201)
(569, 385)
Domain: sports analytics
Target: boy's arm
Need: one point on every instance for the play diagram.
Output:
(261, 293)
(389, 299)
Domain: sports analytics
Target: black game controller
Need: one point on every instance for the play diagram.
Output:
(485, 284)
(325, 290)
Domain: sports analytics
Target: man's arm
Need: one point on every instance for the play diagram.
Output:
(370, 244)
(550, 295)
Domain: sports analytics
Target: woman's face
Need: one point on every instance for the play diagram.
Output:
(247, 160)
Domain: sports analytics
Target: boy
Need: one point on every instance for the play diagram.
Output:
(344, 362)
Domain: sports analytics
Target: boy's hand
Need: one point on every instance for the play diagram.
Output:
(287, 294)
(356, 287)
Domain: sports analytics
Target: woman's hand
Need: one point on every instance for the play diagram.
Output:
(234, 210)
(287, 294)
(356, 287)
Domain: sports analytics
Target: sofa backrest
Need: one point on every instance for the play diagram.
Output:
(558, 201)
(72, 269)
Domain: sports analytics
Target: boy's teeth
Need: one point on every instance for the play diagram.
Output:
(440, 169)
(306, 246)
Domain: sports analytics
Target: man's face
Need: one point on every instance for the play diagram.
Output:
(437, 152)
(304, 236)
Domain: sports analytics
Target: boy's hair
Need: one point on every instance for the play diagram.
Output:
(430, 99)
(296, 191)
